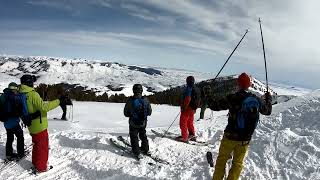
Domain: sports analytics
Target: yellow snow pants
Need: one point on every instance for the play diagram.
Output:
(227, 147)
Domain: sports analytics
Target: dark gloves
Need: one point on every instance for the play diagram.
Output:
(65, 100)
(267, 97)
(28, 119)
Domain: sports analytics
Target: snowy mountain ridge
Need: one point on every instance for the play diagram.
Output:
(112, 77)
(99, 76)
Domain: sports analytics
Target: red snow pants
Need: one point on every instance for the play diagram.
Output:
(40, 150)
(186, 123)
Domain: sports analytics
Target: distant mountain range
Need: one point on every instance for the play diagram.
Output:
(109, 77)
(99, 76)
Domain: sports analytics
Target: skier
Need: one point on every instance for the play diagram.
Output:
(38, 127)
(206, 90)
(190, 101)
(64, 106)
(10, 105)
(244, 108)
(137, 109)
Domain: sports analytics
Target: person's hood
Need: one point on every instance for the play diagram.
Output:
(6, 91)
(25, 88)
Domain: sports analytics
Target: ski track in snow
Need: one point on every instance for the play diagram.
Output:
(286, 145)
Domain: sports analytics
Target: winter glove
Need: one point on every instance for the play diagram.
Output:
(268, 97)
(28, 119)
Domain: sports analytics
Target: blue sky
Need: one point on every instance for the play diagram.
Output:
(186, 34)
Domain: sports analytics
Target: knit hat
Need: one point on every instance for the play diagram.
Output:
(190, 80)
(244, 81)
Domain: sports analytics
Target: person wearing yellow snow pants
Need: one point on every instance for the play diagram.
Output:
(244, 110)
(228, 147)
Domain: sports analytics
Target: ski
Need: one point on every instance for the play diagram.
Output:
(58, 119)
(155, 158)
(9, 164)
(173, 136)
(125, 149)
(209, 158)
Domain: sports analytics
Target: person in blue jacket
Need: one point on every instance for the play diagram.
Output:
(12, 122)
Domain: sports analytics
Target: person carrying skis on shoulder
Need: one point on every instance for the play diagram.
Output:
(38, 126)
(137, 108)
(10, 107)
(244, 108)
(190, 100)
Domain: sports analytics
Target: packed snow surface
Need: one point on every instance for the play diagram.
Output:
(286, 144)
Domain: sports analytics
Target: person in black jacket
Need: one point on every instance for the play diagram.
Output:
(66, 101)
(205, 91)
(137, 109)
(244, 108)
(11, 106)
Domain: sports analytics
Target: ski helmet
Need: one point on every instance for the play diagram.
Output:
(190, 80)
(13, 86)
(244, 81)
(137, 88)
(28, 80)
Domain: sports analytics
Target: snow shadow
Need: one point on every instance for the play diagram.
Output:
(3, 151)
(82, 143)
(92, 173)
(93, 144)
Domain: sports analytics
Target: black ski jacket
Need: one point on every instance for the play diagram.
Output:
(127, 111)
(233, 102)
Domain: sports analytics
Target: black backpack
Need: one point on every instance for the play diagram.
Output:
(11, 107)
(15, 105)
(195, 98)
(139, 111)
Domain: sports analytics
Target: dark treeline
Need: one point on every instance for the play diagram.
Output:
(221, 87)
(76, 92)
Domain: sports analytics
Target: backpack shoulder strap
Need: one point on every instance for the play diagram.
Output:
(23, 99)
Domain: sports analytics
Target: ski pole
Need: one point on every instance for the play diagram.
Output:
(170, 125)
(230, 55)
(72, 112)
(264, 56)
(69, 114)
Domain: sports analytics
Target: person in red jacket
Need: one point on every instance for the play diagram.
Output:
(187, 112)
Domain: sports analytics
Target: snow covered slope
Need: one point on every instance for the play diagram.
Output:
(286, 145)
(101, 76)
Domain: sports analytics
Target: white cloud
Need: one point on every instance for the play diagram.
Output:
(104, 3)
(290, 29)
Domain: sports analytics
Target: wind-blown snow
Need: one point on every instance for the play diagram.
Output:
(286, 144)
